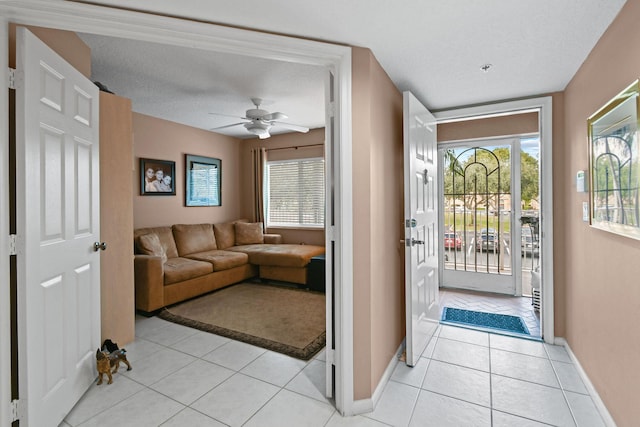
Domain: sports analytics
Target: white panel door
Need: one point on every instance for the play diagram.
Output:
(421, 226)
(58, 222)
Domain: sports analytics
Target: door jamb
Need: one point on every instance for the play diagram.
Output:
(99, 20)
(544, 106)
(5, 299)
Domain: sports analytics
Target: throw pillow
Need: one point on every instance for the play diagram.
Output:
(149, 244)
(249, 233)
(225, 235)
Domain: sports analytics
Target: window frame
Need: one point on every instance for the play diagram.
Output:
(267, 200)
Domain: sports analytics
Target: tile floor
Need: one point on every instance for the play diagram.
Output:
(184, 377)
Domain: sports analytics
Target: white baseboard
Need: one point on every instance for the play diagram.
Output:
(600, 406)
(363, 406)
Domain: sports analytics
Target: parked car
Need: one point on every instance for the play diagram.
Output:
(530, 246)
(488, 240)
(452, 241)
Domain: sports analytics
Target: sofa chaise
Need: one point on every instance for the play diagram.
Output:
(178, 262)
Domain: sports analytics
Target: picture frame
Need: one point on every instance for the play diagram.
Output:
(203, 181)
(157, 177)
(614, 164)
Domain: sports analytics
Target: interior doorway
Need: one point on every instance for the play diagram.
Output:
(336, 59)
(494, 218)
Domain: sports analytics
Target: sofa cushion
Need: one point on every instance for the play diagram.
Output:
(282, 255)
(164, 234)
(194, 238)
(221, 260)
(149, 244)
(248, 233)
(225, 235)
(180, 269)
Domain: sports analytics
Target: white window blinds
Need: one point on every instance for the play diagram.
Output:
(295, 193)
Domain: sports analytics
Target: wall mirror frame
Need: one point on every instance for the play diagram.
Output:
(614, 164)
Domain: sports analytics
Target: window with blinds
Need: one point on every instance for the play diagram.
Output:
(295, 193)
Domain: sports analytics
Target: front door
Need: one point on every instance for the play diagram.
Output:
(421, 226)
(57, 191)
(482, 211)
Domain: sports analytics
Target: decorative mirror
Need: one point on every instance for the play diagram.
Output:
(614, 165)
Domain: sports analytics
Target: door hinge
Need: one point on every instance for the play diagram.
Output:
(16, 410)
(330, 356)
(12, 245)
(331, 232)
(12, 78)
(331, 109)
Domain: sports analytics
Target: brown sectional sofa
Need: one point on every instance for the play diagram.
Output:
(178, 262)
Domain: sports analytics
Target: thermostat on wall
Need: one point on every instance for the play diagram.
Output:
(581, 182)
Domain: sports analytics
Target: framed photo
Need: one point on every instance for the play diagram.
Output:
(203, 181)
(157, 177)
(614, 164)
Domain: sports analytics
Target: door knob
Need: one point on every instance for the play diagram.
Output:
(416, 242)
(97, 246)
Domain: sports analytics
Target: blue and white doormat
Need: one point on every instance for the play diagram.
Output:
(490, 322)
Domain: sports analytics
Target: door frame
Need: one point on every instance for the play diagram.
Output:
(542, 105)
(81, 17)
(5, 300)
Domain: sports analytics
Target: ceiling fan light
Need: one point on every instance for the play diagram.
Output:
(259, 129)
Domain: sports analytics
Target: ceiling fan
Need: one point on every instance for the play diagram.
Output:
(261, 121)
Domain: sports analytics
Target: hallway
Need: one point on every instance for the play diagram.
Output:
(185, 377)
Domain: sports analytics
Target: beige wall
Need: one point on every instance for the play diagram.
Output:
(65, 43)
(601, 269)
(517, 124)
(378, 270)
(282, 147)
(160, 139)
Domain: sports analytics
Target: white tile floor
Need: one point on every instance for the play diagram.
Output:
(183, 377)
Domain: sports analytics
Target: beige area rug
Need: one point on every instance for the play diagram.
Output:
(282, 319)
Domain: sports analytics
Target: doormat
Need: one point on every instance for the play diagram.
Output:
(490, 322)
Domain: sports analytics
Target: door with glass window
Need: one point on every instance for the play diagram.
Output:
(482, 211)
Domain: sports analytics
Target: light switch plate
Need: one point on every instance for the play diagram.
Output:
(585, 211)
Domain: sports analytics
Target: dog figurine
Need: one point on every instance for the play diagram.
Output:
(110, 357)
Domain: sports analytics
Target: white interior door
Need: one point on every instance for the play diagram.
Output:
(421, 226)
(57, 183)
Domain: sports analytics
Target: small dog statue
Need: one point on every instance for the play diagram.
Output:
(109, 357)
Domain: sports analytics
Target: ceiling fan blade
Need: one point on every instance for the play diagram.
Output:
(291, 127)
(228, 126)
(228, 115)
(274, 116)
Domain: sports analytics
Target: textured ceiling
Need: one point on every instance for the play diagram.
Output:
(433, 48)
(186, 85)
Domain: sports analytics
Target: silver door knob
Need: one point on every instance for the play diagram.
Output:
(97, 246)
(416, 242)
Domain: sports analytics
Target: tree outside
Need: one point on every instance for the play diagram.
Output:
(477, 185)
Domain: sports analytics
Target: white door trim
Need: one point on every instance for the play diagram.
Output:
(5, 303)
(544, 106)
(99, 20)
